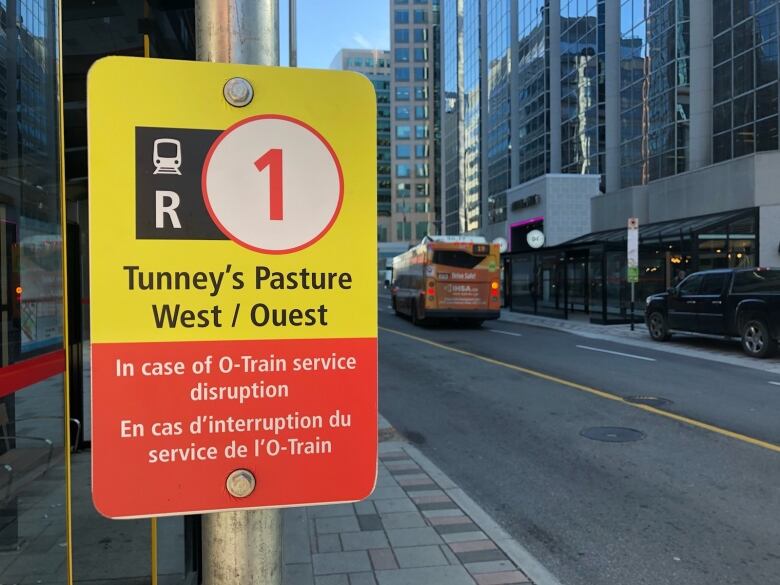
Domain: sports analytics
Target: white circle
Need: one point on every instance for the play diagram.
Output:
(535, 238)
(503, 245)
(238, 193)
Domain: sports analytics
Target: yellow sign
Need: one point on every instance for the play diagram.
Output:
(233, 261)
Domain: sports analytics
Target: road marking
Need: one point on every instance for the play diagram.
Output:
(630, 355)
(596, 392)
(775, 383)
(505, 332)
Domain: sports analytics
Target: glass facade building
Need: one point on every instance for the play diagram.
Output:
(583, 116)
(414, 42)
(376, 65)
(654, 90)
(745, 77)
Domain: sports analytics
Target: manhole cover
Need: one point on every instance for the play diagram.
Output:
(612, 434)
(648, 400)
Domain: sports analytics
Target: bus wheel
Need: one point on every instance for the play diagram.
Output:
(474, 323)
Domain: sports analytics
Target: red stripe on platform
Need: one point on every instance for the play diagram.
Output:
(27, 372)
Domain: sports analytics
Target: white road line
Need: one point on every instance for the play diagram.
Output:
(505, 332)
(775, 383)
(630, 355)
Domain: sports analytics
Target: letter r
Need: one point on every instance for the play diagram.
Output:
(166, 203)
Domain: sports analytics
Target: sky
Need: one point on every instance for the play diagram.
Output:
(326, 26)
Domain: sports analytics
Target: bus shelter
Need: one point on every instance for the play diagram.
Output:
(587, 276)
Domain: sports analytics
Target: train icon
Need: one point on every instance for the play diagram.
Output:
(167, 156)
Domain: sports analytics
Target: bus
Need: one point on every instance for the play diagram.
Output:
(448, 277)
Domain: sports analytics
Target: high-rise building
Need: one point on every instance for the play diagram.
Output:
(601, 110)
(414, 112)
(375, 64)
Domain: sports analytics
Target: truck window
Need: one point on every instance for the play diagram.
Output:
(757, 281)
(690, 286)
(712, 284)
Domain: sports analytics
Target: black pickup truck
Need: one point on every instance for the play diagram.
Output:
(743, 302)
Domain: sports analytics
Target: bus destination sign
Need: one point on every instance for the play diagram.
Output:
(233, 287)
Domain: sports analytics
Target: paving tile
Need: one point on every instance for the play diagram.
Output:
(386, 481)
(401, 465)
(331, 580)
(441, 513)
(382, 559)
(295, 536)
(425, 576)
(414, 481)
(449, 505)
(369, 522)
(439, 494)
(420, 556)
(464, 536)
(327, 543)
(504, 578)
(362, 579)
(413, 537)
(364, 540)
(395, 505)
(331, 510)
(341, 562)
(477, 556)
(338, 524)
(489, 567)
(298, 574)
(415, 488)
(451, 556)
(403, 520)
(459, 518)
(453, 528)
(472, 545)
(365, 507)
(403, 472)
(394, 456)
(387, 493)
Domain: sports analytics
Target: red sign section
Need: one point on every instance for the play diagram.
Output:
(181, 417)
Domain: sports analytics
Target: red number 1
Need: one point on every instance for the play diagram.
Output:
(273, 160)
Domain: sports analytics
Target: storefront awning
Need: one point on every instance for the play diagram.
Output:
(663, 229)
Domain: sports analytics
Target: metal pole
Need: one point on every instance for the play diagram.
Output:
(293, 34)
(632, 306)
(240, 547)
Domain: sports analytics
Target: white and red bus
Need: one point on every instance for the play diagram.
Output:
(448, 277)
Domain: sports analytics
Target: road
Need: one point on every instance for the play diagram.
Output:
(501, 409)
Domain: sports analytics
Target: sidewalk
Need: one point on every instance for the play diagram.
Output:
(417, 528)
(707, 347)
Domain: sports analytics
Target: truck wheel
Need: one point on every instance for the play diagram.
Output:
(658, 327)
(756, 340)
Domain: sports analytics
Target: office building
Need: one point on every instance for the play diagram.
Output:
(665, 111)
(375, 64)
(414, 99)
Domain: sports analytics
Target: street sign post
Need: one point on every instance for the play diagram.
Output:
(633, 260)
(233, 301)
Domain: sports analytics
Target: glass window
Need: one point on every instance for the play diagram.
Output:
(766, 101)
(743, 110)
(421, 131)
(402, 112)
(420, 35)
(403, 171)
(420, 54)
(420, 73)
(744, 140)
(403, 132)
(401, 35)
(766, 63)
(766, 134)
(721, 117)
(721, 12)
(422, 207)
(421, 170)
(403, 207)
(721, 48)
(403, 230)
(420, 112)
(421, 229)
(721, 147)
(401, 54)
(690, 286)
(766, 25)
(402, 74)
(402, 17)
(421, 190)
(421, 151)
(403, 189)
(420, 16)
(743, 73)
(712, 284)
(401, 1)
(721, 82)
(757, 281)
(403, 151)
(421, 92)
(402, 93)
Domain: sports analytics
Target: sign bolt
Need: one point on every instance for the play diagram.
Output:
(241, 483)
(238, 92)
